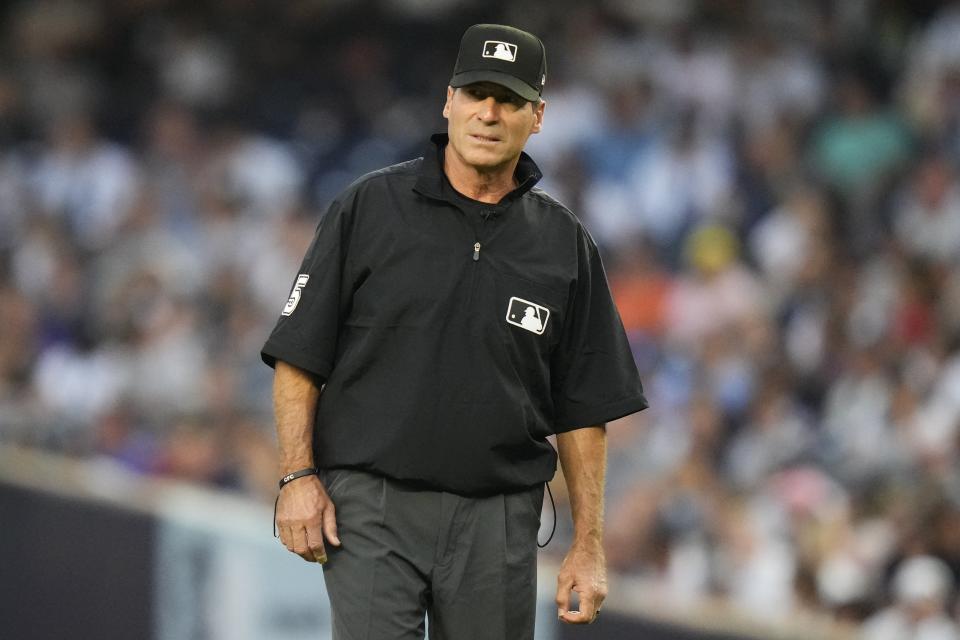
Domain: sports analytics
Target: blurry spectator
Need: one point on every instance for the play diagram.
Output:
(785, 239)
(756, 564)
(85, 181)
(120, 437)
(607, 157)
(627, 128)
(78, 385)
(930, 83)
(856, 148)
(768, 169)
(195, 65)
(696, 73)
(174, 159)
(780, 79)
(194, 451)
(927, 217)
(717, 293)
(921, 587)
(856, 421)
(258, 174)
(640, 288)
(775, 435)
(860, 142)
(675, 489)
(167, 364)
(53, 42)
(684, 179)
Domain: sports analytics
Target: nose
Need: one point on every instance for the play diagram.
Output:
(488, 110)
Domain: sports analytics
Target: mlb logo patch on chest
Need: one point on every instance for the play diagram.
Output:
(528, 315)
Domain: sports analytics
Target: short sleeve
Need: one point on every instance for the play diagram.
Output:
(308, 329)
(594, 376)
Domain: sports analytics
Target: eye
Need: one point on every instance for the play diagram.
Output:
(512, 100)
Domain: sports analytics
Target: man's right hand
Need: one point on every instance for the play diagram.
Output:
(305, 514)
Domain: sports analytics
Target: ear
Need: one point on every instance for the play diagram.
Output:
(446, 107)
(538, 116)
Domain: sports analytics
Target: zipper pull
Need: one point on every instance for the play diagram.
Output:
(476, 251)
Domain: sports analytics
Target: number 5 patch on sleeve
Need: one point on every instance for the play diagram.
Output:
(294, 298)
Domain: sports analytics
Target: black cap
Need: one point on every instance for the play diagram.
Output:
(504, 55)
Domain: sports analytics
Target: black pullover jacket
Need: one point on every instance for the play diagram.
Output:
(454, 336)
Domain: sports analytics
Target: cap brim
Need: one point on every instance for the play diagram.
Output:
(516, 85)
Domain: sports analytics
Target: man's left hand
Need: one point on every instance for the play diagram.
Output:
(584, 571)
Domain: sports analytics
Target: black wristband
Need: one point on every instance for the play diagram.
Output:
(290, 477)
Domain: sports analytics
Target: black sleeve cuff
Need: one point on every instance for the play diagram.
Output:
(587, 416)
(273, 351)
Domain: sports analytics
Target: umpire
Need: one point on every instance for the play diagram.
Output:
(448, 317)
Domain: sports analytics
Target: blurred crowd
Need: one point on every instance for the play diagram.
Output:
(774, 186)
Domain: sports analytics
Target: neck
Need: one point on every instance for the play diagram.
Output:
(485, 186)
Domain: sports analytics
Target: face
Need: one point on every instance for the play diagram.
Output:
(488, 125)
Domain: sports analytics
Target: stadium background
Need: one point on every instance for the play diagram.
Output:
(774, 186)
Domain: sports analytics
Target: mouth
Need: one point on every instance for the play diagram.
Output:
(484, 139)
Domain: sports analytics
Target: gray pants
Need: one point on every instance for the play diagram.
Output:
(469, 564)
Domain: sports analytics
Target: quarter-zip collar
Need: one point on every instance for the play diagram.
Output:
(430, 180)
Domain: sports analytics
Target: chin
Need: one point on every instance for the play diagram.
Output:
(484, 163)
(483, 160)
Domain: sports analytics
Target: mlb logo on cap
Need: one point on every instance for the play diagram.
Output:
(500, 50)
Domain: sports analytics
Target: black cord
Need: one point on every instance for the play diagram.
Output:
(553, 507)
(275, 502)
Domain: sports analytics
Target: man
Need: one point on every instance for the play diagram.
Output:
(409, 372)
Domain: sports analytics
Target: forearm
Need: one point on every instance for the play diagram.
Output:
(583, 457)
(295, 399)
